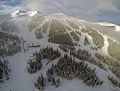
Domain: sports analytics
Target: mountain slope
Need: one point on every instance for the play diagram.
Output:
(86, 42)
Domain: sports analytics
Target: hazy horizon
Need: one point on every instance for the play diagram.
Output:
(93, 10)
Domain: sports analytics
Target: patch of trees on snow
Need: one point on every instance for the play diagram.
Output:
(113, 64)
(68, 68)
(96, 36)
(54, 80)
(35, 64)
(114, 81)
(4, 70)
(9, 44)
(62, 38)
(42, 81)
(66, 48)
(8, 26)
(81, 54)
(85, 56)
(58, 34)
(86, 41)
(114, 49)
(75, 36)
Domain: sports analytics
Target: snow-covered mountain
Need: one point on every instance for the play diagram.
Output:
(71, 54)
(19, 13)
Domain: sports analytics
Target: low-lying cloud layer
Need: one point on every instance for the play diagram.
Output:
(86, 9)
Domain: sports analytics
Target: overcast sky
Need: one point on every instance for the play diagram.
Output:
(94, 10)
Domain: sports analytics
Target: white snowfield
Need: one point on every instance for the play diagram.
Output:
(18, 13)
(32, 13)
(117, 28)
(21, 80)
(14, 14)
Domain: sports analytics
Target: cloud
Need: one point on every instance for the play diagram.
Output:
(76, 7)
(107, 6)
(4, 9)
(86, 9)
(69, 6)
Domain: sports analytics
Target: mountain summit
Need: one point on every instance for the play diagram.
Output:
(24, 13)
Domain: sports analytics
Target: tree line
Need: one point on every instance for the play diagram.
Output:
(4, 70)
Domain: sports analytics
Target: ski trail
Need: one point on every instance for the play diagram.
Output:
(20, 79)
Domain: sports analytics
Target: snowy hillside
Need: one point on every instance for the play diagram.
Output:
(58, 52)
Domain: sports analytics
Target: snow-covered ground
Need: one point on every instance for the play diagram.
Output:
(18, 13)
(117, 28)
(20, 80)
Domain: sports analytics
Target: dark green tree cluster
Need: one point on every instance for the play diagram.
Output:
(40, 83)
(63, 38)
(81, 54)
(63, 48)
(96, 62)
(100, 57)
(4, 70)
(35, 63)
(8, 26)
(66, 48)
(114, 49)
(13, 48)
(48, 53)
(34, 66)
(113, 64)
(114, 81)
(58, 34)
(75, 36)
(84, 55)
(97, 38)
(68, 68)
(94, 48)
(73, 24)
(86, 41)
(55, 81)
(9, 44)
(115, 68)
